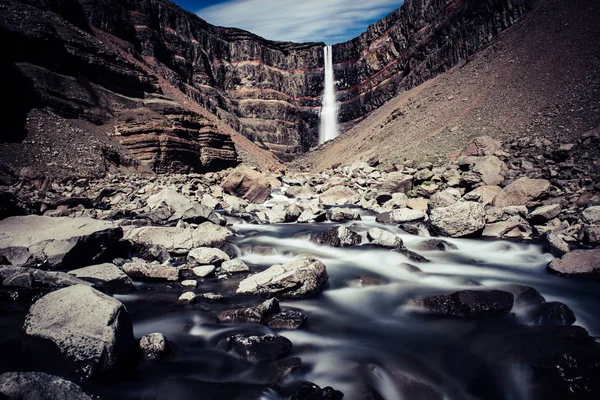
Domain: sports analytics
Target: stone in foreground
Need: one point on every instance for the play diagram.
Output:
(300, 278)
(310, 391)
(578, 262)
(469, 303)
(383, 238)
(58, 241)
(105, 276)
(458, 220)
(146, 271)
(156, 346)
(38, 386)
(256, 348)
(92, 330)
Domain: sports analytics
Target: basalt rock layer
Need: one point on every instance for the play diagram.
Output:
(94, 59)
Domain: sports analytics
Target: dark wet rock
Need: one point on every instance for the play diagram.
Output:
(365, 280)
(411, 268)
(412, 255)
(525, 296)
(310, 391)
(553, 313)
(458, 220)
(92, 331)
(141, 270)
(257, 314)
(300, 278)
(248, 184)
(38, 386)
(469, 303)
(287, 319)
(58, 242)
(578, 262)
(156, 346)
(106, 276)
(35, 279)
(9, 205)
(435, 245)
(337, 237)
(256, 348)
(410, 229)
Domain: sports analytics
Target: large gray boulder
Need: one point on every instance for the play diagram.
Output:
(578, 262)
(38, 386)
(297, 279)
(395, 182)
(380, 237)
(93, 331)
(491, 169)
(179, 241)
(58, 242)
(523, 191)
(106, 276)
(175, 206)
(339, 195)
(144, 271)
(460, 219)
(591, 215)
(248, 184)
(206, 256)
(399, 216)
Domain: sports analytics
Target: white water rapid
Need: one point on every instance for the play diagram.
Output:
(329, 111)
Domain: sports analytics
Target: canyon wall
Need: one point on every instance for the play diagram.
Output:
(268, 91)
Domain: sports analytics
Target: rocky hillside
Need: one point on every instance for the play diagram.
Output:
(539, 79)
(91, 60)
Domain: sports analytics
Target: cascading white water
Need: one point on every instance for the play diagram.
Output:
(329, 110)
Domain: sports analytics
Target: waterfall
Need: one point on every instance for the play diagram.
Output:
(329, 110)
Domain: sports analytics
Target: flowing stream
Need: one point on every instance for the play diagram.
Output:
(329, 111)
(362, 340)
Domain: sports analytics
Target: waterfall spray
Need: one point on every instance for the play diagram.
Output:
(329, 110)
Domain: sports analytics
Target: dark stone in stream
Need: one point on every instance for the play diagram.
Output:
(435, 245)
(288, 319)
(38, 386)
(410, 229)
(469, 303)
(257, 314)
(156, 346)
(553, 313)
(256, 348)
(339, 236)
(413, 256)
(525, 295)
(310, 391)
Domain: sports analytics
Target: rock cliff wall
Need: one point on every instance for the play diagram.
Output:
(268, 91)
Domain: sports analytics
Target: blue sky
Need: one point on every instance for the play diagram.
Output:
(329, 21)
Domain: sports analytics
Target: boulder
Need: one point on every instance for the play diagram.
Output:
(58, 242)
(483, 194)
(435, 245)
(578, 262)
(38, 386)
(257, 314)
(491, 169)
(523, 191)
(543, 214)
(300, 278)
(395, 182)
(338, 196)
(460, 219)
(444, 198)
(256, 348)
(383, 238)
(287, 319)
(399, 216)
(156, 346)
(342, 214)
(147, 271)
(482, 146)
(33, 278)
(553, 313)
(591, 215)
(178, 207)
(179, 241)
(187, 298)
(469, 303)
(106, 277)
(337, 237)
(508, 229)
(204, 270)
(206, 256)
(234, 266)
(312, 213)
(300, 192)
(248, 184)
(90, 329)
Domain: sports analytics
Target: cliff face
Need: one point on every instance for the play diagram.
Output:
(116, 53)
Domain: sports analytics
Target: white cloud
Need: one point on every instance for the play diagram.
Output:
(329, 21)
